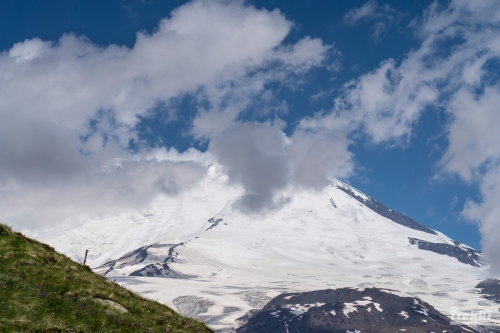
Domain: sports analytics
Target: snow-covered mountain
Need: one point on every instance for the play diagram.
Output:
(199, 254)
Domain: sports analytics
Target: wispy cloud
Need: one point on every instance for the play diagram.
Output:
(368, 10)
(383, 15)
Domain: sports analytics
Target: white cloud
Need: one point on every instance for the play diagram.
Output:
(201, 43)
(387, 101)
(28, 50)
(487, 214)
(474, 154)
(303, 55)
(234, 96)
(368, 10)
(384, 15)
(474, 132)
(69, 108)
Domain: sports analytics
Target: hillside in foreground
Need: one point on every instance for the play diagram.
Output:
(44, 291)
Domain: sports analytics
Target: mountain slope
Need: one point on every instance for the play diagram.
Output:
(198, 253)
(44, 291)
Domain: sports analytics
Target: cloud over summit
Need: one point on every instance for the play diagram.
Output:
(265, 161)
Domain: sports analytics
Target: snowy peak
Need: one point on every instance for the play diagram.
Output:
(380, 208)
(448, 247)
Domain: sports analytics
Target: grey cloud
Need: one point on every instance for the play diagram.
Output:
(38, 151)
(316, 156)
(265, 161)
(254, 155)
(122, 184)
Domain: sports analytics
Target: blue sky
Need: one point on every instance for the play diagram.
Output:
(396, 97)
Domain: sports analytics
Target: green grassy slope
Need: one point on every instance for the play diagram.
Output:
(44, 291)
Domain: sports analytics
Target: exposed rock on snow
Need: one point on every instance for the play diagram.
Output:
(160, 270)
(214, 222)
(461, 252)
(490, 289)
(131, 258)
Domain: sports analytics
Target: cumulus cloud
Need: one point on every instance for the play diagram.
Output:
(69, 108)
(28, 50)
(203, 42)
(473, 151)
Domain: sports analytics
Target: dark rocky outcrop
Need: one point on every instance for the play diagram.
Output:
(156, 270)
(162, 269)
(349, 310)
(490, 288)
(461, 252)
(214, 222)
(131, 258)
